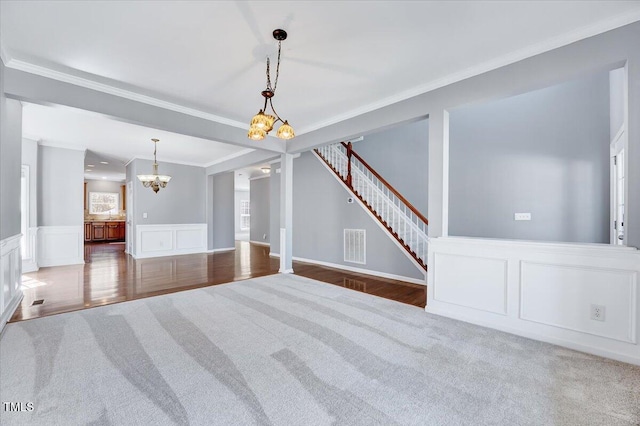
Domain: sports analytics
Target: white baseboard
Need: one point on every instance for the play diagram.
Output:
(29, 267)
(60, 245)
(260, 243)
(535, 336)
(356, 270)
(10, 278)
(221, 250)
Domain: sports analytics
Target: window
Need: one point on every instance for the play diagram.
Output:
(104, 203)
(245, 216)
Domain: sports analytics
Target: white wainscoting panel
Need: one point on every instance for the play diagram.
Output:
(10, 277)
(60, 245)
(545, 287)
(170, 239)
(543, 291)
(30, 250)
(475, 282)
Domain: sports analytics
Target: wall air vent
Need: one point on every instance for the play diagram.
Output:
(355, 246)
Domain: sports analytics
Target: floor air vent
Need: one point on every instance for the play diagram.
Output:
(37, 302)
(355, 246)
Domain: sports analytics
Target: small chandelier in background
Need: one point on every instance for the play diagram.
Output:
(262, 123)
(154, 181)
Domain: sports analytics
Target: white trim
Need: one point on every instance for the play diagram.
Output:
(112, 90)
(260, 243)
(371, 215)
(4, 55)
(356, 270)
(549, 290)
(30, 263)
(543, 337)
(10, 267)
(55, 144)
(60, 245)
(230, 157)
(190, 163)
(492, 64)
(170, 240)
(262, 176)
(220, 250)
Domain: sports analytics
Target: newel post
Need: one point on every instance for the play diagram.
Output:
(349, 148)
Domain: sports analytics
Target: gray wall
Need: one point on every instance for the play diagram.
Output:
(545, 152)
(104, 186)
(260, 210)
(30, 158)
(181, 202)
(239, 195)
(10, 162)
(616, 97)
(320, 215)
(400, 154)
(220, 220)
(60, 186)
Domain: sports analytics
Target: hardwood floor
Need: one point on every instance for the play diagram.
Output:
(110, 276)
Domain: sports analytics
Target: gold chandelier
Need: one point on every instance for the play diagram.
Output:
(154, 181)
(262, 123)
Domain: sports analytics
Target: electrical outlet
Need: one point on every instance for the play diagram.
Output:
(522, 216)
(597, 312)
(264, 236)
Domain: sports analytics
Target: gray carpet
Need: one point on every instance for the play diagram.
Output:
(286, 350)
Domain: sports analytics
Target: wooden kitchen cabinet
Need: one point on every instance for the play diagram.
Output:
(104, 231)
(98, 231)
(113, 231)
(87, 231)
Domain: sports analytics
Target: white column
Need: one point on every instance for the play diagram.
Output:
(286, 214)
(438, 173)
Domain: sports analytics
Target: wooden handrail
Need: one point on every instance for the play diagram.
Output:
(350, 152)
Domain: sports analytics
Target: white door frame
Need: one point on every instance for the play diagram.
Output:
(618, 145)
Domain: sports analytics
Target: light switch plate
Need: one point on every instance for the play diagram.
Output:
(144, 215)
(522, 216)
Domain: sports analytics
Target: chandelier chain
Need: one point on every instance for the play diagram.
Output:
(269, 86)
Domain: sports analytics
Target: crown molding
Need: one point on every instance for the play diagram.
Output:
(499, 62)
(4, 56)
(262, 176)
(31, 137)
(54, 144)
(230, 157)
(112, 90)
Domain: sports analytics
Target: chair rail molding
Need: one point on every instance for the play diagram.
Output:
(544, 291)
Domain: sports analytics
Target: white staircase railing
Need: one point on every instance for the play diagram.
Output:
(399, 217)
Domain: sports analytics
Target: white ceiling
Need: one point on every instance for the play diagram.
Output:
(342, 58)
(116, 142)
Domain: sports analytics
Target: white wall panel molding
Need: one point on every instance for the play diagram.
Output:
(544, 291)
(615, 289)
(60, 245)
(30, 259)
(170, 239)
(10, 277)
(474, 282)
